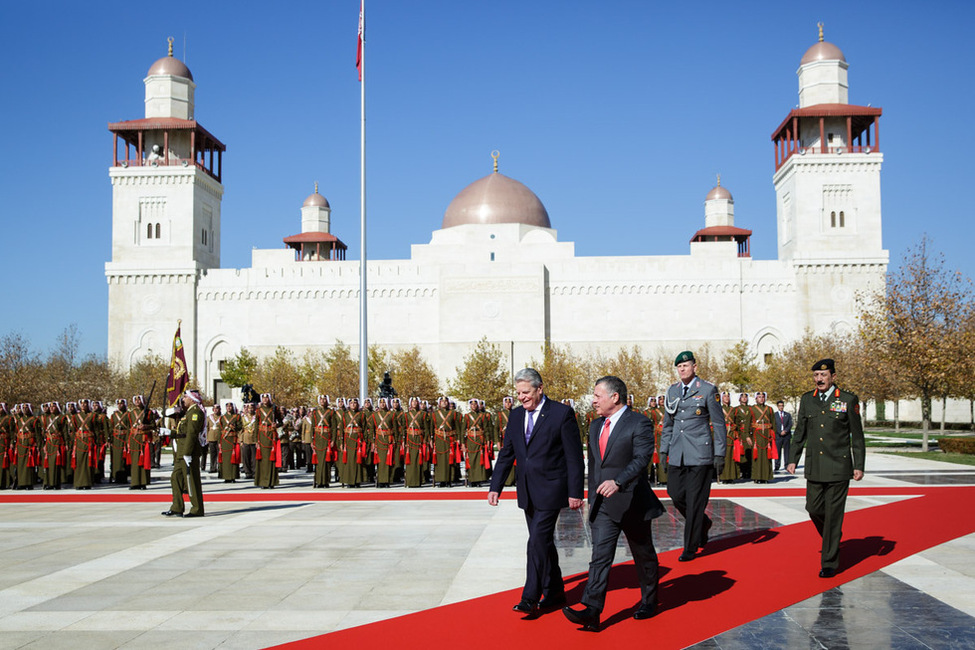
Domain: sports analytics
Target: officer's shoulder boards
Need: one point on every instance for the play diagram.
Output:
(196, 416)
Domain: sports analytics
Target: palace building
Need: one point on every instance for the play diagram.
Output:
(496, 267)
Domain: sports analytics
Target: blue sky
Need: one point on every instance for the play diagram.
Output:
(617, 115)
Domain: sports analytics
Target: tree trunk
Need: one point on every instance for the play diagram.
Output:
(897, 415)
(971, 412)
(925, 420)
(944, 411)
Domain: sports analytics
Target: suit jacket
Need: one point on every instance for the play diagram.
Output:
(628, 452)
(688, 422)
(783, 426)
(833, 434)
(549, 468)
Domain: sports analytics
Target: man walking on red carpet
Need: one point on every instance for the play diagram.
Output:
(620, 500)
(828, 423)
(541, 442)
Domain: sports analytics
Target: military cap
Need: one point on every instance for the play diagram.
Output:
(825, 364)
(686, 355)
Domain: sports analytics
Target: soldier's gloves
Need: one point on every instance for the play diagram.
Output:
(719, 465)
(187, 460)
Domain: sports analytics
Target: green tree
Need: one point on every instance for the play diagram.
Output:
(483, 375)
(281, 375)
(564, 374)
(413, 376)
(240, 369)
(740, 369)
(339, 374)
(914, 324)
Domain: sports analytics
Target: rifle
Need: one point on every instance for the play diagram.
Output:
(145, 407)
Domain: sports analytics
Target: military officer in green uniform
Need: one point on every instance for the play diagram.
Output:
(189, 451)
(828, 426)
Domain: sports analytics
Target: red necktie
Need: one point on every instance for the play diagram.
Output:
(603, 439)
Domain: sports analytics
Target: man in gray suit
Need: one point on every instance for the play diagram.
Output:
(620, 499)
(783, 433)
(692, 409)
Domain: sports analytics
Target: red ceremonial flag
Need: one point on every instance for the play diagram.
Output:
(358, 51)
(178, 378)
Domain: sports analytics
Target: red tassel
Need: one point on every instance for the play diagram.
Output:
(485, 459)
(736, 454)
(345, 455)
(147, 456)
(276, 454)
(220, 456)
(389, 456)
(235, 454)
(314, 457)
(656, 458)
(74, 458)
(773, 450)
(258, 452)
(406, 458)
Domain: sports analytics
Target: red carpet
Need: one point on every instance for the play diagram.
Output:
(738, 580)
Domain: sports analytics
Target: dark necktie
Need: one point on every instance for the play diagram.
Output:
(684, 394)
(528, 429)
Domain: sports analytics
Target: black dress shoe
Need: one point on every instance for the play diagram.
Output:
(554, 601)
(192, 514)
(685, 557)
(587, 617)
(704, 536)
(827, 573)
(526, 606)
(645, 611)
(170, 513)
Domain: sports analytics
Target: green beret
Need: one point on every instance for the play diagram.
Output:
(825, 364)
(686, 355)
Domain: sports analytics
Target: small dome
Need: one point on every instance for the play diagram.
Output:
(316, 200)
(496, 199)
(719, 193)
(822, 51)
(169, 65)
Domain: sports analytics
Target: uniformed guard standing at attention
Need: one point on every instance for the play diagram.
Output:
(385, 432)
(692, 410)
(214, 436)
(229, 456)
(248, 440)
(446, 427)
(323, 441)
(763, 439)
(55, 448)
(268, 461)
(189, 453)
(731, 456)
(142, 438)
(119, 427)
(28, 451)
(657, 418)
(415, 425)
(506, 405)
(828, 426)
(742, 417)
(8, 434)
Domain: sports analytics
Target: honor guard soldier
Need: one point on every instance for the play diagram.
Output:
(446, 425)
(478, 446)
(190, 436)
(732, 452)
(416, 431)
(386, 434)
(214, 434)
(828, 427)
(268, 448)
(248, 440)
(142, 443)
(506, 405)
(763, 439)
(27, 451)
(229, 455)
(657, 418)
(742, 417)
(119, 425)
(8, 434)
(55, 448)
(84, 455)
(693, 441)
(324, 431)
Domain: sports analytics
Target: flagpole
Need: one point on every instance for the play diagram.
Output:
(363, 336)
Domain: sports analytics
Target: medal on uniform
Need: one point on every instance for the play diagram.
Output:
(697, 412)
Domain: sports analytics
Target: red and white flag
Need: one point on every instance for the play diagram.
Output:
(358, 52)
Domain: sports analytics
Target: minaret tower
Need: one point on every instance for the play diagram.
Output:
(166, 194)
(827, 182)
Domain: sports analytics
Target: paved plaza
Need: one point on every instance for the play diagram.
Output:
(103, 569)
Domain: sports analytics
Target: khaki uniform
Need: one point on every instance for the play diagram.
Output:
(829, 428)
(186, 477)
(763, 438)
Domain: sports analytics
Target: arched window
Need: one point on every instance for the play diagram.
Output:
(842, 219)
(832, 219)
(157, 231)
(204, 231)
(149, 231)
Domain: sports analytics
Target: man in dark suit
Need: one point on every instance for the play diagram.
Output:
(783, 433)
(620, 499)
(828, 425)
(543, 437)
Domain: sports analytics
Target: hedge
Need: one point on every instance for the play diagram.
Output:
(957, 445)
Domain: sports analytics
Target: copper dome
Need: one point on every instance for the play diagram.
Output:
(719, 193)
(822, 51)
(496, 199)
(315, 200)
(168, 65)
